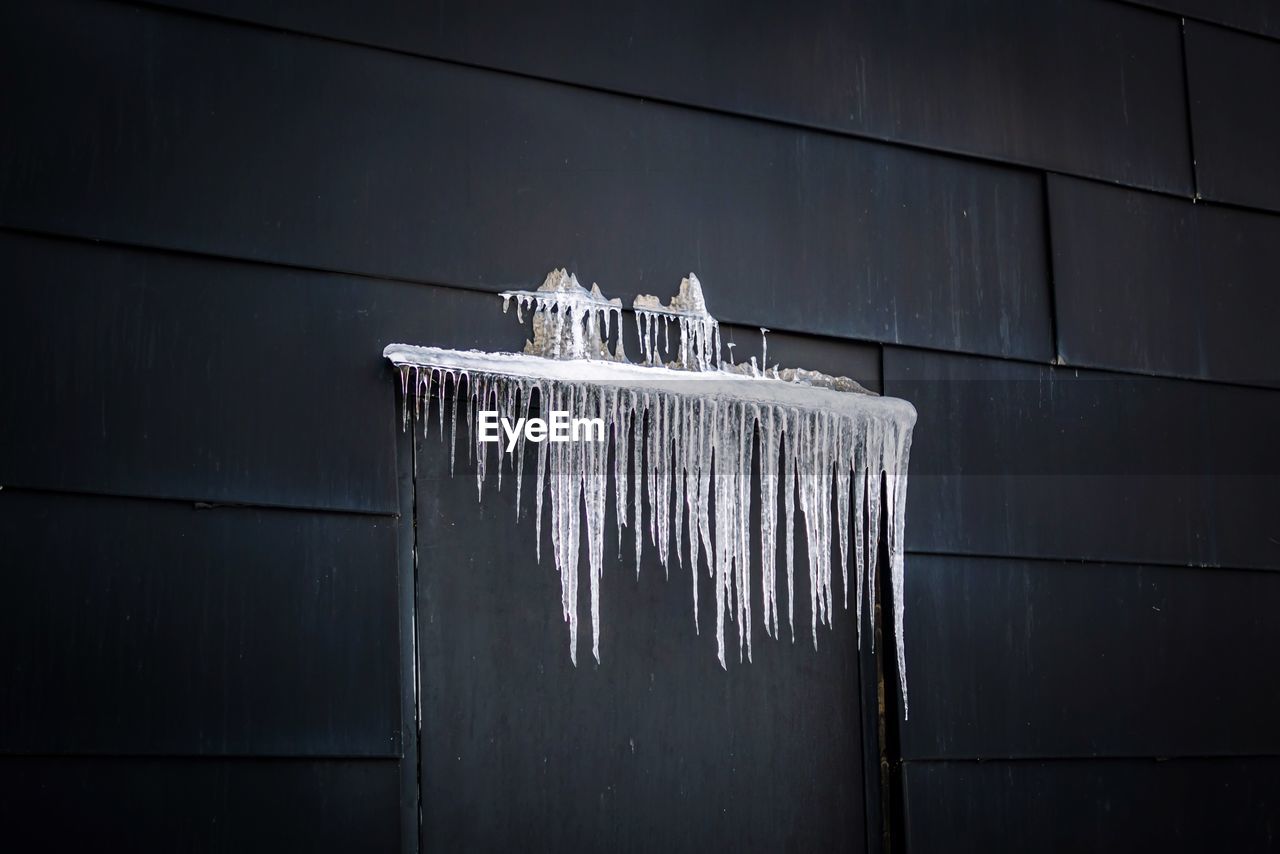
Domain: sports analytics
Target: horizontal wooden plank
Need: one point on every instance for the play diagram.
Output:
(1177, 806)
(220, 381)
(143, 373)
(654, 749)
(1090, 88)
(1258, 16)
(1021, 460)
(231, 806)
(1157, 285)
(1234, 121)
(1015, 658)
(147, 627)
(250, 143)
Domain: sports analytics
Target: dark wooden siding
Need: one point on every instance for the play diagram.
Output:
(1100, 805)
(430, 162)
(78, 803)
(213, 215)
(1075, 86)
(656, 748)
(1150, 284)
(1236, 126)
(1254, 16)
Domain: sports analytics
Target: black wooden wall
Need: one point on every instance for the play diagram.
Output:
(1054, 227)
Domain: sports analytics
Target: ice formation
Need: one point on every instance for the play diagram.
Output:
(684, 427)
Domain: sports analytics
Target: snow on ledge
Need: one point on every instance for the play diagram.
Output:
(686, 429)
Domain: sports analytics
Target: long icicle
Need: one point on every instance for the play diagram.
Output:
(701, 447)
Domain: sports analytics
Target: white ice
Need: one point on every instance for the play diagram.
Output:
(696, 421)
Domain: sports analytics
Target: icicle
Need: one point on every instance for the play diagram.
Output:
(768, 519)
(873, 453)
(681, 419)
(790, 425)
(842, 427)
(897, 544)
(637, 438)
(651, 469)
(722, 577)
(621, 427)
(453, 418)
(404, 394)
(441, 377)
(542, 470)
(476, 449)
(706, 440)
(859, 527)
(669, 436)
(526, 389)
(742, 523)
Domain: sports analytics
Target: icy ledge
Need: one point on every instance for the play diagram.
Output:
(823, 437)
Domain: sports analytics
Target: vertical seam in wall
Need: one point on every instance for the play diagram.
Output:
(1186, 101)
(1051, 278)
(869, 694)
(906, 811)
(889, 724)
(407, 610)
(417, 672)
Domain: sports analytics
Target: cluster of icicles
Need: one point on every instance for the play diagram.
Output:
(570, 322)
(688, 451)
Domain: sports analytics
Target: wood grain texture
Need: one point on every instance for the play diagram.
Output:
(1021, 460)
(224, 806)
(152, 374)
(1017, 658)
(1236, 127)
(1258, 16)
(147, 627)
(1150, 284)
(1175, 806)
(1089, 88)
(654, 749)
(319, 154)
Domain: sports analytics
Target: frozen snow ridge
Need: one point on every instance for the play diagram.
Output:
(684, 428)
